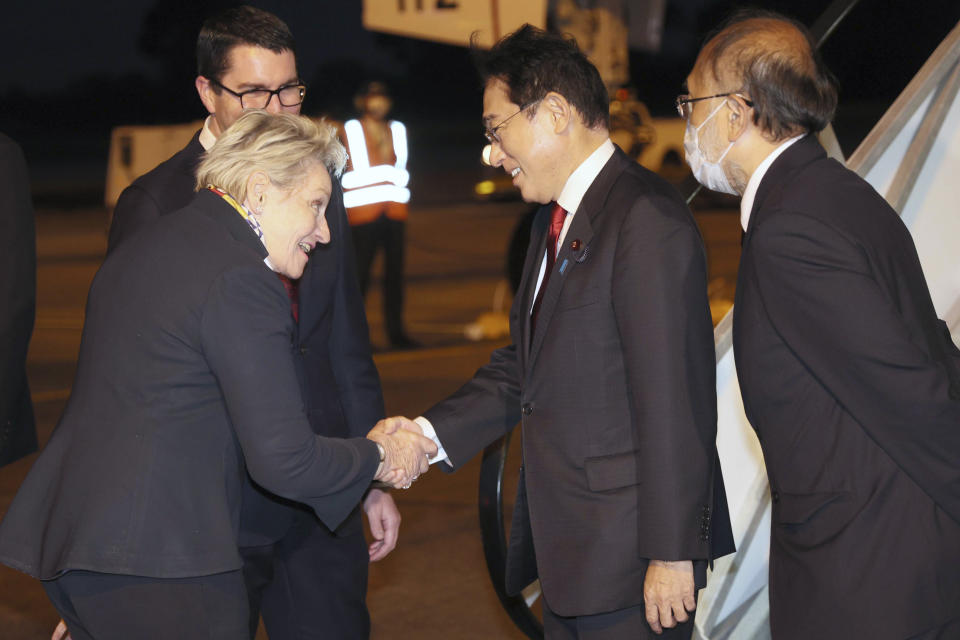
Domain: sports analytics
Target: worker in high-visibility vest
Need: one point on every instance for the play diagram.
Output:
(375, 194)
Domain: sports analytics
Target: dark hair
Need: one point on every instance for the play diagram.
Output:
(533, 62)
(790, 86)
(239, 26)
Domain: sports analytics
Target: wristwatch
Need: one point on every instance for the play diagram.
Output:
(383, 453)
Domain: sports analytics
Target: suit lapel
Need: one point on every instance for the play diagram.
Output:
(779, 174)
(528, 282)
(802, 153)
(582, 229)
(569, 259)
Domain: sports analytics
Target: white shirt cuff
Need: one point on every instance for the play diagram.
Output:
(430, 432)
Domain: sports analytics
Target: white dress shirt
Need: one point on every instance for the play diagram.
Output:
(746, 203)
(207, 138)
(570, 197)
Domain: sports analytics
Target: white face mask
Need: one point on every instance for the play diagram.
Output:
(709, 174)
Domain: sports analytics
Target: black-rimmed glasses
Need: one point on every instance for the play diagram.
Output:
(684, 101)
(289, 95)
(492, 134)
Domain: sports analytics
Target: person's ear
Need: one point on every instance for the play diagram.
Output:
(257, 186)
(207, 92)
(559, 111)
(738, 117)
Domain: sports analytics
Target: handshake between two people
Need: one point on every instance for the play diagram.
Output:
(406, 452)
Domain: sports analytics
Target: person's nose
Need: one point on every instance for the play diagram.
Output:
(273, 104)
(496, 154)
(323, 230)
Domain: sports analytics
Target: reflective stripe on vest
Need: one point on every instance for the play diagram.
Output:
(381, 183)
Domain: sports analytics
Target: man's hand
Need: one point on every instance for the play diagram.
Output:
(384, 519)
(668, 593)
(407, 451)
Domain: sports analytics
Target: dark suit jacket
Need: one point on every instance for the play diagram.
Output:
(617, 397)
(18, 295)
(166, 188)
(186, 372)
(340, 384)
(851, 383)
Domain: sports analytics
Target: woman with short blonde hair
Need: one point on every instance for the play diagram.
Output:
(284, 146)
(186, 383)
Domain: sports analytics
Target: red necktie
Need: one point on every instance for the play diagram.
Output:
(557, 216)
(291, 287)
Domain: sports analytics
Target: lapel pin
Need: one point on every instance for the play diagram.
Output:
(583, 254)
(575, 245)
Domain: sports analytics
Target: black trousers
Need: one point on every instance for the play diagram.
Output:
(311, 584)
(103, 606)
(369, 238)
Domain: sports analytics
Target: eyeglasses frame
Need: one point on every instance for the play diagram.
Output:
(684, 99)
(492, 133)
(272, 92)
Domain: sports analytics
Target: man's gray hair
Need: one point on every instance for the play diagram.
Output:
(774, 62)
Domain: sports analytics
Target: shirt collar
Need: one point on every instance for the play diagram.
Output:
(206, 135)
(746, 203)
(584, 175)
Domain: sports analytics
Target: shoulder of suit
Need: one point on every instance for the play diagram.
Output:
(180, 165)
(12, 152)
(196, 235)
(827, 190)
(171, 183)
(8, 143)
(638, 184)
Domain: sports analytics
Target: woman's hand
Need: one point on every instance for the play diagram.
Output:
(406, 451)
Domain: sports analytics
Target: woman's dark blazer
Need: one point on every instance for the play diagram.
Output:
(185, 376)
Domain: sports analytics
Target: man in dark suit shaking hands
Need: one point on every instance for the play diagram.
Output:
(848, 377)
(611, 368)
(308, 581)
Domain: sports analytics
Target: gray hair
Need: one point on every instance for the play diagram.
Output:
(774, 61)
(284, 146)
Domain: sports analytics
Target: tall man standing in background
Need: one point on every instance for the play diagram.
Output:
(18, 297)
(847, 375)
(308, 581)
(620, 505)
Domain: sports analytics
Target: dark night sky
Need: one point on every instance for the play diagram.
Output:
(83, 67)
(59, 43)
(50, 46)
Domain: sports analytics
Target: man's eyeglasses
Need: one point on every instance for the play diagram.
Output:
(684, 102)
(289, 95)
(492, 134)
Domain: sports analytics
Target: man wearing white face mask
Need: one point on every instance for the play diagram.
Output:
(847, 375)
(708, 173)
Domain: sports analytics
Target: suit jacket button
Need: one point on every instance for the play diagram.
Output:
(303, 351)
(526, 409)
(775, 496)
